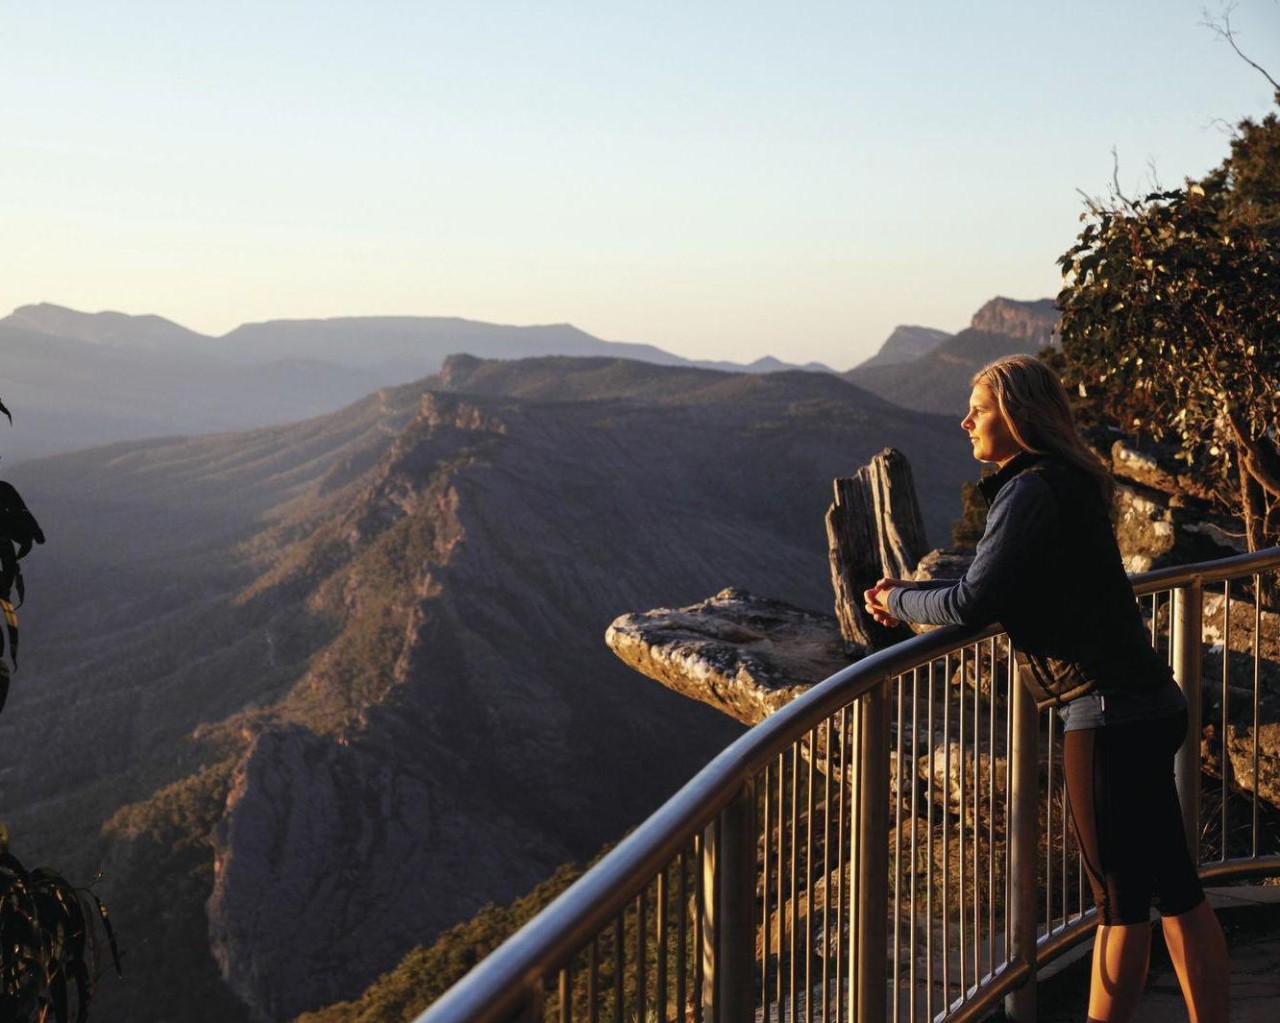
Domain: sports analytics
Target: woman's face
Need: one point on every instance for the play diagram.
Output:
(989, 434)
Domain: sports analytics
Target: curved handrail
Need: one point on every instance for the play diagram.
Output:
(1205, 571)
(494, 990)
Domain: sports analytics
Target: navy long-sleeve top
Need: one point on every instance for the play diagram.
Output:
(1049, 570)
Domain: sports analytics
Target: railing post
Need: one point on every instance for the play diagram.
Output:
(868, 961)
(1024, 809)
(1186, 625)
(728, 911)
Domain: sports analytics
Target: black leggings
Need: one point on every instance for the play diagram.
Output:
(1124, 807)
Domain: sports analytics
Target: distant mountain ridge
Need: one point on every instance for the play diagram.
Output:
(334, 684)
(146, 332)
(76, 379)
(905, 344)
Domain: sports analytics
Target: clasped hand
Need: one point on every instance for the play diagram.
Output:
(876, 601)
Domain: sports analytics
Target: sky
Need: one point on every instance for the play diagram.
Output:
(723, 179)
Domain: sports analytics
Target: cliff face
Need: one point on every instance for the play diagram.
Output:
(1033, 323)
(333, 686)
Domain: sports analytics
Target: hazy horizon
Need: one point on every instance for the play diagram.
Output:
(723, 182)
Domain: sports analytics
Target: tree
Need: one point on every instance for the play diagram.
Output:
(49, 957)
(48, 943)
(1171, 319)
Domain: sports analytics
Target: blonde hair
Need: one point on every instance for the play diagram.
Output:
(1033, 404)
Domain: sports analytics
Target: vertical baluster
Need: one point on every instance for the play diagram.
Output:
(896, 953)
(794, 916)
(593, 980)
(699, 938)
(660, 932)
(1080, 885)
(809, 885)
(846, 768)
(849, 910)
(827, 795)
(1225, 719)
(930, 804)
(1257, 689)
(642, 964)
(566, 995)
(619, 965)
(961, 857)
(1048, 827)
(977, 835)
(682, 941)
(766, 917)
(915, 817)
(1010, 680)
(946, 831)
(991, 818)
(792, 863)
(1062, 827)
(780, 875)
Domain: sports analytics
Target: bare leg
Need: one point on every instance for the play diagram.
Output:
(1199, 953)
(1120, 956)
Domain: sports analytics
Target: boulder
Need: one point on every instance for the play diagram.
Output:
(1155, 467)
(1154, 529)
(943, 564)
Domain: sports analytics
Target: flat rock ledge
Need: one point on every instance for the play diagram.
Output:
(747, 656)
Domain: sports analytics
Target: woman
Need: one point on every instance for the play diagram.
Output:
(1048, 569)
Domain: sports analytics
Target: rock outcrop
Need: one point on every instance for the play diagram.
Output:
(1163, 516)
(742, 654)
(1032, 324)
(1154, 467)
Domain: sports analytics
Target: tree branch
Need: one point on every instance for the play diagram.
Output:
(1262, 464)
(1221, 27)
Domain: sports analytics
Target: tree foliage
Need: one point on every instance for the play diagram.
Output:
(49, 956)
(1171, 318)
(429, 971)
(48, 928)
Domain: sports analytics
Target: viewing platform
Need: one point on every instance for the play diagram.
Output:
(894, 845)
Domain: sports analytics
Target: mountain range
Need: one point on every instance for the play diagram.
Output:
(312, 692)
(76, 379)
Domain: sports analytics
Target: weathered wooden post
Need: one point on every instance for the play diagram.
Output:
(874, 529)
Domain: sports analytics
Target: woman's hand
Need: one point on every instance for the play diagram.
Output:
(876, 600)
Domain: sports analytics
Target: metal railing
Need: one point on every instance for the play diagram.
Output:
(894, 844)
